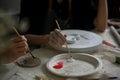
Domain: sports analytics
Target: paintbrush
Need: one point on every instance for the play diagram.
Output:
(71, 58)
(19, 35)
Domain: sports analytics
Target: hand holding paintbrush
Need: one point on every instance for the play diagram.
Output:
(60, 31)
(28, 61)
(19, 35)
(71, 58)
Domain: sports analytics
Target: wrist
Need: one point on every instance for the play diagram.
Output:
(45, 40)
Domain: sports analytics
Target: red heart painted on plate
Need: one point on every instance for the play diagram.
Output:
(59, 65)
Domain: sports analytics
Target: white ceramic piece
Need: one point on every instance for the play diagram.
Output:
(83, 41)
(84, 65)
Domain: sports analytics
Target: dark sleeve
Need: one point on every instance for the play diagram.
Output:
(113, 8)
(95, 5)
(84, 13)
(24, 8)
(36, 13)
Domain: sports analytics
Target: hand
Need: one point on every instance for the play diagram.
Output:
(17, 47)
(56, 39)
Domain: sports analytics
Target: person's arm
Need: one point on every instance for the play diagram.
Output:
(102, 15)
(36, 39)
(55, 38)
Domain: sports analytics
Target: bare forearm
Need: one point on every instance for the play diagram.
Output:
(102, 16)
(37, 39)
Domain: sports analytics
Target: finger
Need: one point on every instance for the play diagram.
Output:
(19, 38)
(53, 40)
(51, 44)
(20, 44)
(60, 35)
(57, 38)
(22, 49)
(16, 53)
(20, 53)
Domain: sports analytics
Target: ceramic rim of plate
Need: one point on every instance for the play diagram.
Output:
(98, 42)
(99, 66)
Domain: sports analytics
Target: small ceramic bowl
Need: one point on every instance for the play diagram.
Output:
(70, 39)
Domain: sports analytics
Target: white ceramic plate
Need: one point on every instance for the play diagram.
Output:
(83, 65)
(114, 21)
(85, 42)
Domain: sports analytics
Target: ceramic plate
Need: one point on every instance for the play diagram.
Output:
(115, 22)
(28, 61)
(81, 41)
(81, 65)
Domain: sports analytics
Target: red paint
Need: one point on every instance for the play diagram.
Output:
(59, 65)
